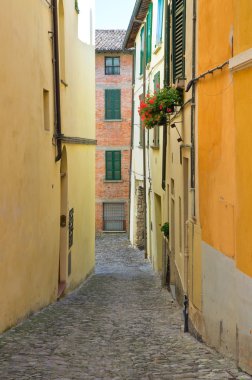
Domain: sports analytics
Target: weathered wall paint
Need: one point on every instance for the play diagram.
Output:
(224, 117)
(30, 191)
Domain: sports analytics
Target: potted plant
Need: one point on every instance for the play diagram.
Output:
(154, 108)
(165, 229)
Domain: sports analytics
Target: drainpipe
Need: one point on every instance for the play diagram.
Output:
(144, 148)
(132, 134)
(166, 83)
(186, 297)
(193, 109)
(56, 74)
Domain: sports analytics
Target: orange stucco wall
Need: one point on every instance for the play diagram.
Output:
(243, 120)
(216, 126)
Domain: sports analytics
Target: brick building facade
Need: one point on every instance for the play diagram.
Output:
(113, 130)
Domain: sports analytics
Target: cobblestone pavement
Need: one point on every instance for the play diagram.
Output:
(119, 325)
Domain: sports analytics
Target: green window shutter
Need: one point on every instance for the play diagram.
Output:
(156, 81)
(178, 39)
(112, 104)
(117, 165)
(141, 50)
(159, 21)
(113, 165)
(149, 34)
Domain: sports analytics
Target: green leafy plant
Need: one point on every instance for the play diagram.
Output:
(154, 108)
(165, 229)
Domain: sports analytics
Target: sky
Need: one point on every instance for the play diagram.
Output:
(113, 14)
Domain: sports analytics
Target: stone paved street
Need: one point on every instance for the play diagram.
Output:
(119, 325)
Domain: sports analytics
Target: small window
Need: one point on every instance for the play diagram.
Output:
(113, 165)
(112, 104)
(112, 66)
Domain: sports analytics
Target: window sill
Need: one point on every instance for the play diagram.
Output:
(155, 147)
(110, 120)
(113, 180)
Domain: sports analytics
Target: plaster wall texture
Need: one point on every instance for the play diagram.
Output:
(227, 306)
(224, 178)
(30, 191)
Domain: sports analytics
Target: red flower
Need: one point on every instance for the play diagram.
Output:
(157, 85)
(151, 101)
(160, 107)
(169, 110)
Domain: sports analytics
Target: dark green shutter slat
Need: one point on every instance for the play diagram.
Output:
(112, 104)
(113, 165)
(178, 39)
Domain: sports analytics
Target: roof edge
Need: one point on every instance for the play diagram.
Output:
(135, 21)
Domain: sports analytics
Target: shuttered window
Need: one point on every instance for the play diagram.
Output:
(113, 165)
(178, 37)
(141, 50)
(159, 22)
(112, 104)
(149, 34)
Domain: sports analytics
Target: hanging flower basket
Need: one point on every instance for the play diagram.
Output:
(154, 108)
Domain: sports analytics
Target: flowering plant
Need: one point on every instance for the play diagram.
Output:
(154, 108)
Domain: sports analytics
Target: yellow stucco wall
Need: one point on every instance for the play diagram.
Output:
(30, 190)
(216, 127)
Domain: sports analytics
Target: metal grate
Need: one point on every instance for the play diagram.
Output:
(114, 217)
(71, 227)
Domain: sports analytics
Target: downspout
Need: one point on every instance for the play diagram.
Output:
(166, 83)
(132, 132)
(56, 74)
(193, 110)
(144, 149)
(186, 299)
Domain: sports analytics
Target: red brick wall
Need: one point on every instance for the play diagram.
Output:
(113, 135)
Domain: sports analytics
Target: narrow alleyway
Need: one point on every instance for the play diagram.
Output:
(119, 325)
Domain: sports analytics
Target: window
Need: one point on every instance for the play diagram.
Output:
(112, 65)
(112, 104)
(149, 34)
(113, 165)
(114, 217)
(159, 22)
(141, 50)
(178, 39)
